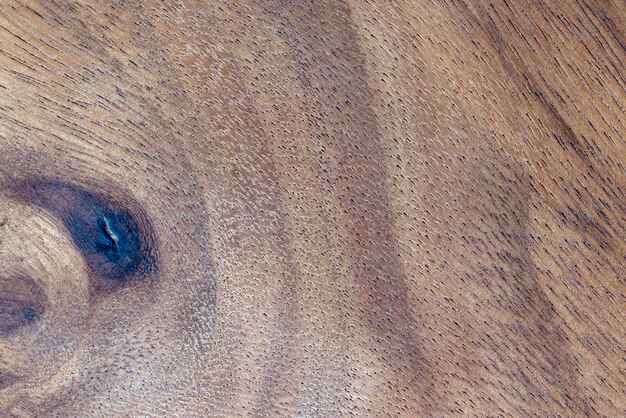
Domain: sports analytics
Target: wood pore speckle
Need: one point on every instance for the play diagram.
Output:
(362, 208)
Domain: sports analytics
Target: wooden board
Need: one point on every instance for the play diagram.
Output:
(294, 208)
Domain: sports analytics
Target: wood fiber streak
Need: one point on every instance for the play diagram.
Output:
(362, 208)
(331, 69)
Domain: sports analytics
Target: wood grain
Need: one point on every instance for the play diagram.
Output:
(363, 208)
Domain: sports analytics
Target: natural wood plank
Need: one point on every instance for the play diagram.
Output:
(358, 208)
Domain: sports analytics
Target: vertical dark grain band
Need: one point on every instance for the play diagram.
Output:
(311, 31)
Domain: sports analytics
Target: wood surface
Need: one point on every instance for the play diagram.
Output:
(363, 208)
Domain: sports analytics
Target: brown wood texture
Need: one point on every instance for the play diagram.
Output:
(364, 208)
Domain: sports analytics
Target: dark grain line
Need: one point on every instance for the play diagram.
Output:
(332, 71)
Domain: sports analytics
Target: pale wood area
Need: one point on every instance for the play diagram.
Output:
(371, 208)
